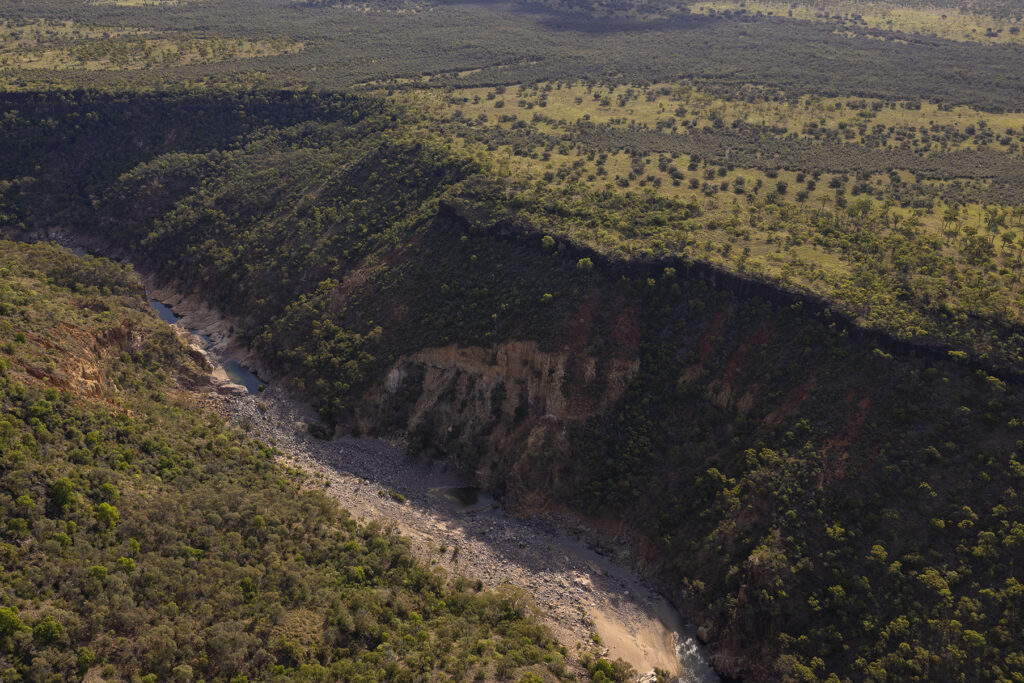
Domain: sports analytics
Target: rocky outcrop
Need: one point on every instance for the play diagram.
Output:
(231, 389)
(495, 410)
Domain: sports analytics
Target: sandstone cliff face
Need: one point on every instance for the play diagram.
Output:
(498, 410)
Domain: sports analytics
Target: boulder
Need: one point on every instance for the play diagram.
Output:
(232, 389)
(707, 632)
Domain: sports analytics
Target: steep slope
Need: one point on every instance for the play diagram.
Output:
(830, 500)
(142, 538)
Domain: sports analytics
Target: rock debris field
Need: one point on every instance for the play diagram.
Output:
(591, 603)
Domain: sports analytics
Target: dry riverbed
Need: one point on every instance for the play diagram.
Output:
(590, 602)
(582, 593)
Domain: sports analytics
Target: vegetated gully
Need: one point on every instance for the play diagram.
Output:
(589, 601)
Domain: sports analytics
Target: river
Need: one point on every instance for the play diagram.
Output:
(236, 372)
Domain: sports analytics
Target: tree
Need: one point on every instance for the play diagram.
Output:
(106, 515)
(951, 216)
(10, 622)
(48, 631)
(63, 493)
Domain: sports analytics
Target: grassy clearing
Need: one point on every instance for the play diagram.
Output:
(69, 45)
(681, 107)
(551, 109)
(141, 3)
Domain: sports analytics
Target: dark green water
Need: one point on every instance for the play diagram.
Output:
(237, 373)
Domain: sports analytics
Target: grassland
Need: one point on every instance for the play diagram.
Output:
(140, 3)
(950, 23)
(518, 42)
(68, 45)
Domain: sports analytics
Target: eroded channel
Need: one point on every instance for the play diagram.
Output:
(591, 602)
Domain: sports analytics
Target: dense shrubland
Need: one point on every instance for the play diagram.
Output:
(141, 537)
(857, 509)
(359, 176)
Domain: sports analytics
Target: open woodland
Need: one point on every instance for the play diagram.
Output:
(765, 260)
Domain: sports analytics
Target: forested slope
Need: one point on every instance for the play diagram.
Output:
(738, 281)
(314, 162)
(826, 499)
(143, 539)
